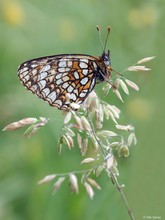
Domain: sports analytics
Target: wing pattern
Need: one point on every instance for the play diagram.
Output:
(60, 79)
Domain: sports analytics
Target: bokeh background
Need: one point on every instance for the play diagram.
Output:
(33, 28)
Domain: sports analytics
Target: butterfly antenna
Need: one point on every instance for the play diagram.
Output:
(99, 33)
(109, 29)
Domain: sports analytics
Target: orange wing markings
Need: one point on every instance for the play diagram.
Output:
(87, 85)
(52, 78)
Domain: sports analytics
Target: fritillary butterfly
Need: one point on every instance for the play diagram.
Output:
(66, 78)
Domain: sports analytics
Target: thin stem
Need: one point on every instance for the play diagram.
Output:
(127, 68)
(122, 194)
(110, 173)
(77, 172)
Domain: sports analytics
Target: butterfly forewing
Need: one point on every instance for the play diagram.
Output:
(61, 79)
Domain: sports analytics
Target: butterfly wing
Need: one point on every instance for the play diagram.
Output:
(60, 79)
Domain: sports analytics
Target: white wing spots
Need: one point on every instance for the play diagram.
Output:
(73, 96)
(58, 102)
(45, 68)
(46, 92)
(65, 74)
(35, 77)
(65, 85)
(23, 70)
(42, 84)
(85, 72)
(62, 64)
(73, 84)
(51, 78)
(52, 96)
(70, 89)
(92, 85)
(25, 64)
(59, 75)
(83, 64)
(75, 91)
(34, 65)
(23, 74)
(63, 69)
(25, 79)
(28, 84)
(34, 72)
(59, 81)
(84, 80)
(69, 63)
(43, 75)
(52, 71)
(33, 88)
(66, 78)
(83, 94)
(94, 65)
(76, 75)
(84, 60)
(65, 107)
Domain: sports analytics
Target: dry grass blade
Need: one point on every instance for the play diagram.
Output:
(99, 121)
(132, 139)
(107, 133)
(66, 141)
(110, 162)
(70, 132)
(138, 68)
(70, 139)
(106, 89)
(124, 87)
(78, 122)
(73, 183)
(111, 115)
(132, 85)
(118, 94)
(116, 112)
(46, 179)
(19, 124)
(74, 106)
(31, 131)
(89, 190)
(88, 160)
(146, 59)
(58, 183)
(93, 183)
(125, 127)
(86, 124)
(84, 147)
(67, 117)
(79, 140)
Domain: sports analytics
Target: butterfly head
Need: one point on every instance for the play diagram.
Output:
(106, 58)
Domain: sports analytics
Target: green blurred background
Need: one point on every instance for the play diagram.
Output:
(33, 28)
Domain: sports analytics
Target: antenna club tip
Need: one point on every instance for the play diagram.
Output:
(109, 28)
(98, 27)
(99, 32)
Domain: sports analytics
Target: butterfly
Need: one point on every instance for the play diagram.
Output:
(64, 79)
